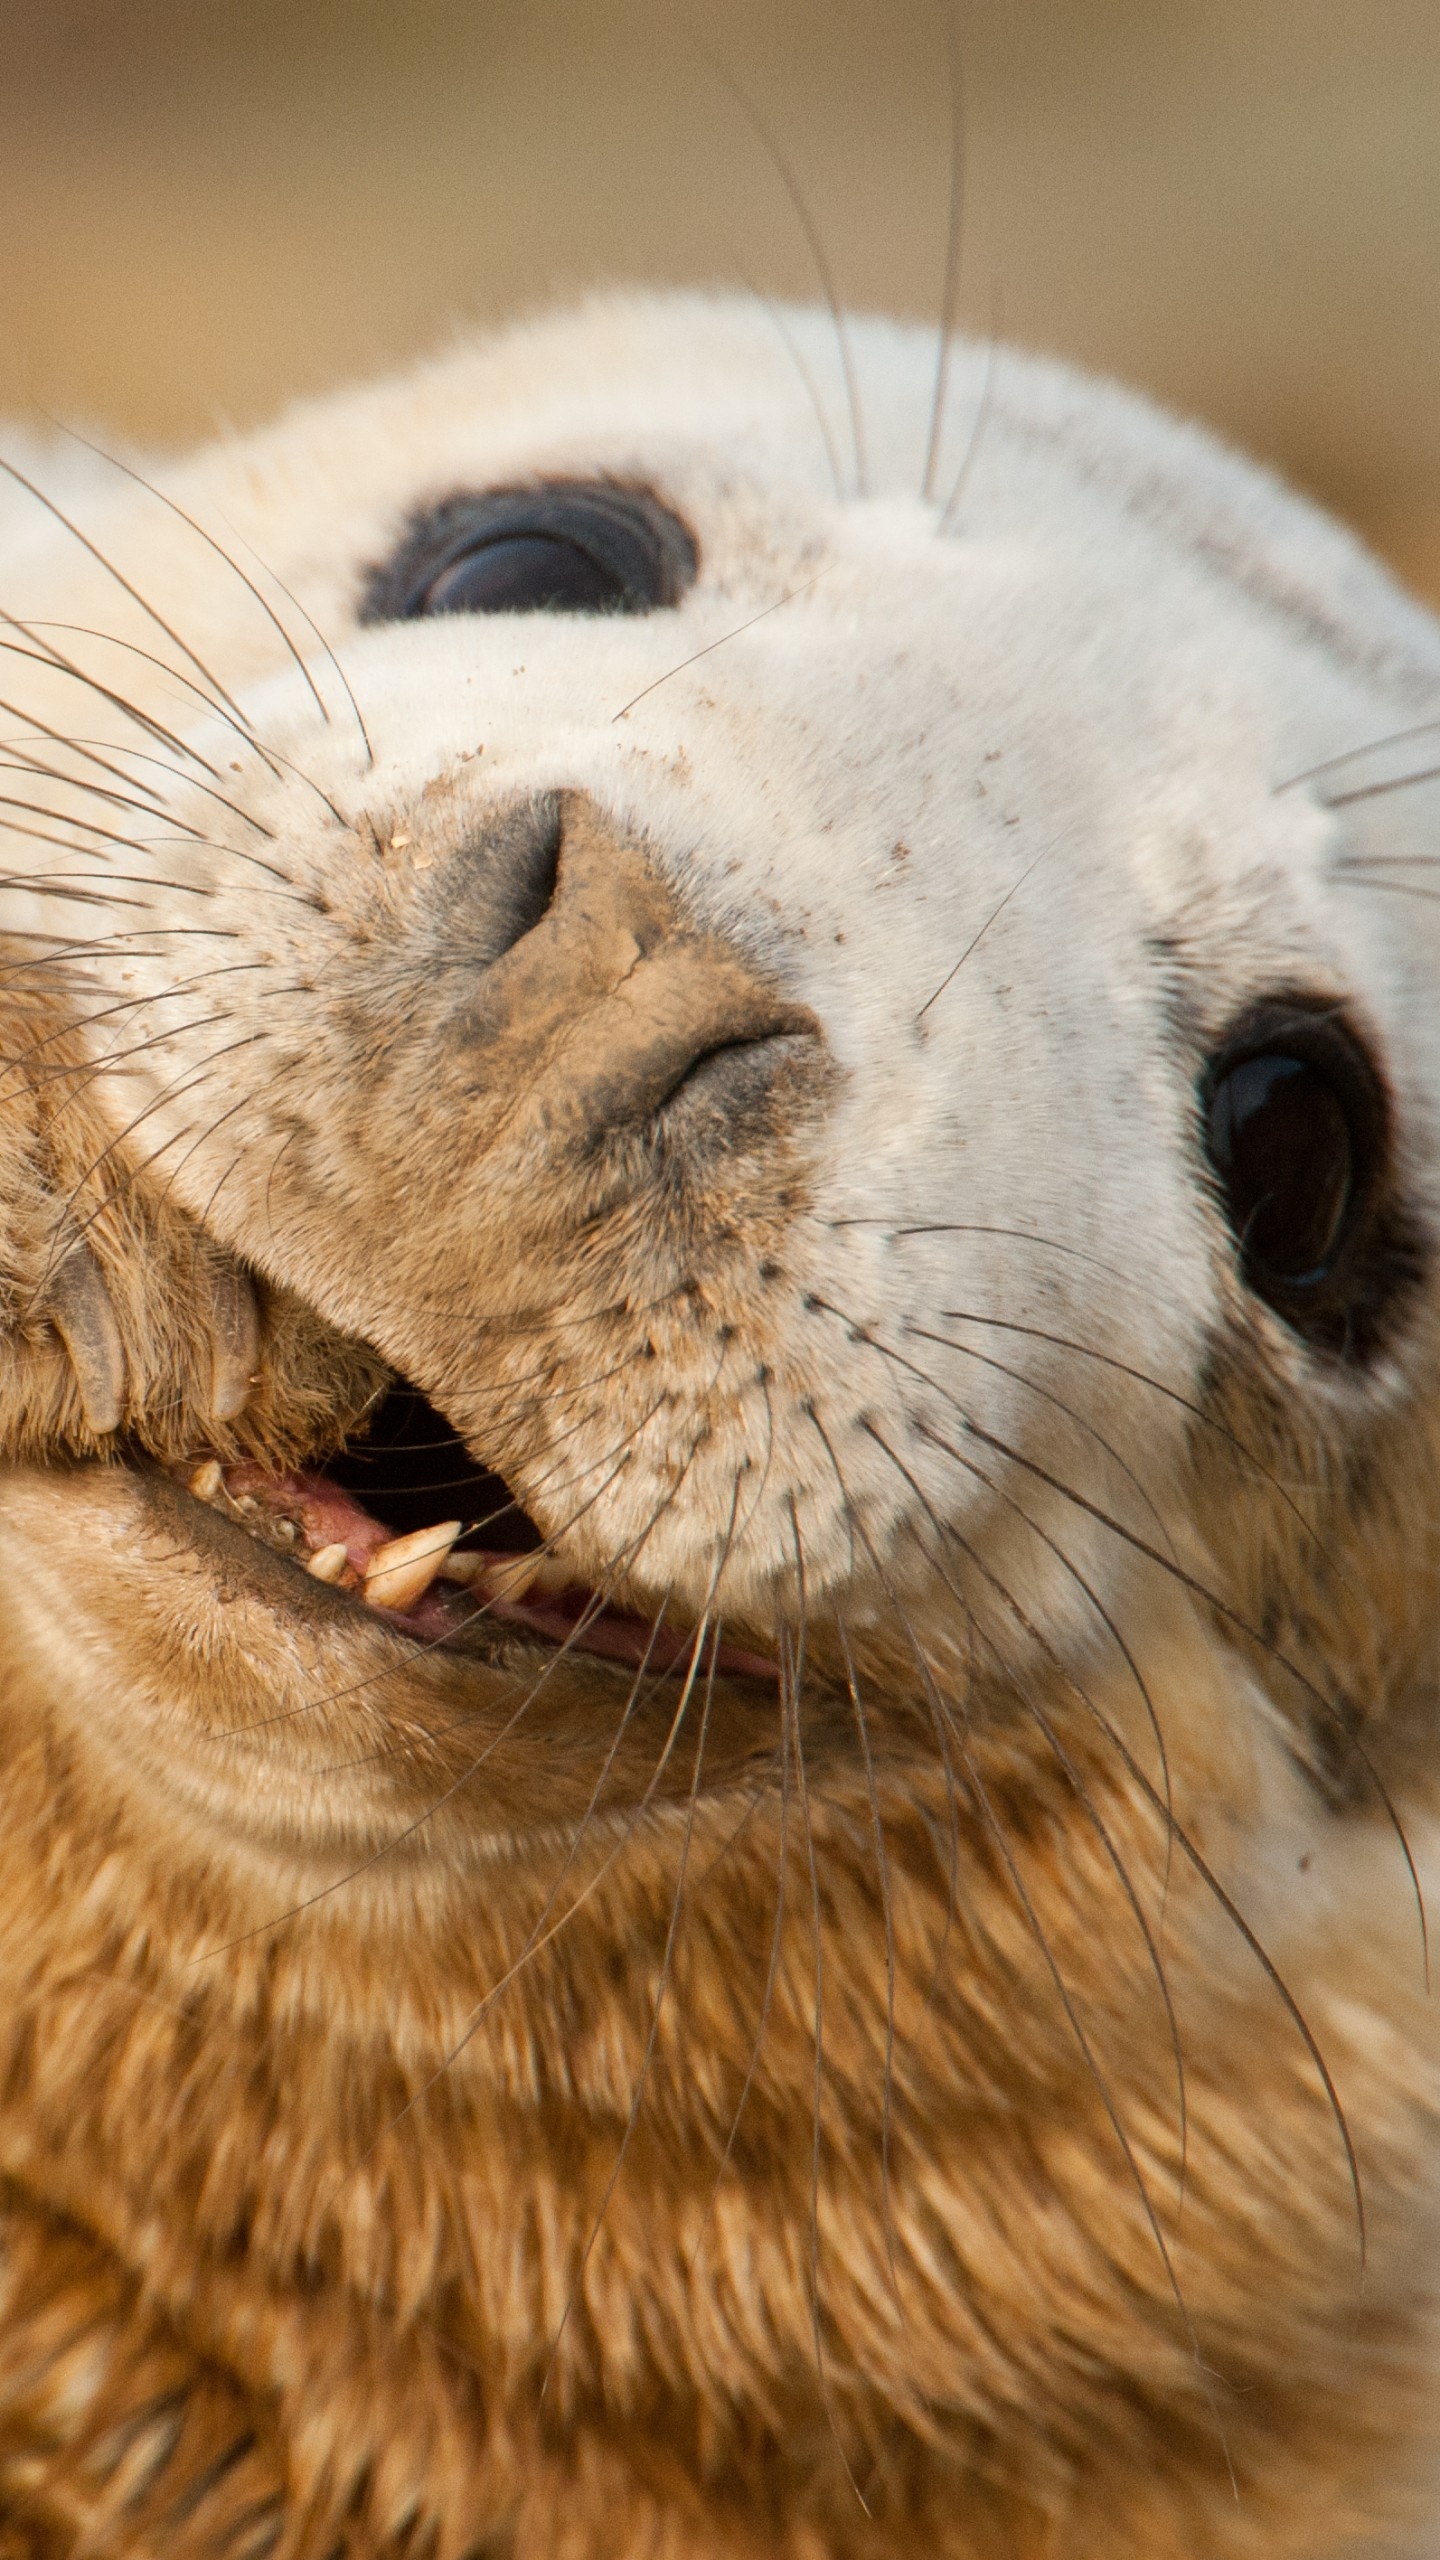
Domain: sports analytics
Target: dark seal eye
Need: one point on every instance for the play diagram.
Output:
(1297, 1132)
(1282, 1144)
(569, 546)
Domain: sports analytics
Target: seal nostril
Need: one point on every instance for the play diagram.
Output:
(535, 883)
(507, 882)
(726, 1094)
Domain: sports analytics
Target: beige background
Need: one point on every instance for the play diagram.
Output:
(208, 205)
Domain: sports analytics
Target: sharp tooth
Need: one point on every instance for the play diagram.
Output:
(509, 1577)
(206, 1480)
(396, 1576)
(464, 1565)
(235, 1350)
(78, 1305)
(328, 1563)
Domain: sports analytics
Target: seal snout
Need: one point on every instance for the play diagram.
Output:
(612, 1009)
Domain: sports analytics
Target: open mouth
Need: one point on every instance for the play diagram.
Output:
(408, 1524)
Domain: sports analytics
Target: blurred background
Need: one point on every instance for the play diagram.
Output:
(208, 206)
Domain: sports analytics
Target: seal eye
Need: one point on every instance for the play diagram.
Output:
(1296, 1130)
(567, 547)
(1281, 1143)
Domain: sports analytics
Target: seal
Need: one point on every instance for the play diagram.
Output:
(719, 1168)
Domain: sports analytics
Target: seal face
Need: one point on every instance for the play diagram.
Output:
(717, 1192)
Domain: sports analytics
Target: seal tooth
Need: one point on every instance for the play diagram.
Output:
(464, 1567)
(328, 1563)
(508, 1577)
(503, 1577)
(235, 1349)
(398, 1575)
(78, 1305)
(206, 1480)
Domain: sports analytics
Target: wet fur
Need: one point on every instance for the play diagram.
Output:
(484, 2106)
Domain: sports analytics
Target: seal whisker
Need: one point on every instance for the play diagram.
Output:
(983, 409)
(792, 1681)
(775, 315)
(954, 234)
(53, 661)
(139, 755)
(173, 506)
(779, 162)
(126, 586)
(887, 1918)
(950, 1536)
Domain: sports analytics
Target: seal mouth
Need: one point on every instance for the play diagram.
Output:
(407, 1524)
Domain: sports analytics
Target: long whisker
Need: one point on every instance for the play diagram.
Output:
(974, 944)
(165, 500)
(948, 1534)
(278, 764)
(1352, 755)
(1381, 790)
(313, 627)
(1185, 1843)
(1011, 1235)
(54, 661)
(90, 827)
(937, 1721)
(85, 748)
(983, 408)
(925, 1379)
(1395, 888)
(792, 1686)
(139, 755)
(954, 230)
(813, 241)
(1233, 1617)
(786, 335)
(662, 1986)
(981, 1797)
(1141, 1378)
(127, 588)
(887, 1917)
(23, 766)
(712, 645)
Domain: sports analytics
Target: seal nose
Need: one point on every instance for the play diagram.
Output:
(607, 1002)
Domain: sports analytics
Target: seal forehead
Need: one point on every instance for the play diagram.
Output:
(734, 395)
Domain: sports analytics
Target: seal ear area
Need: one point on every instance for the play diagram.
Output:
(1299, 1129)
(563, 546)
